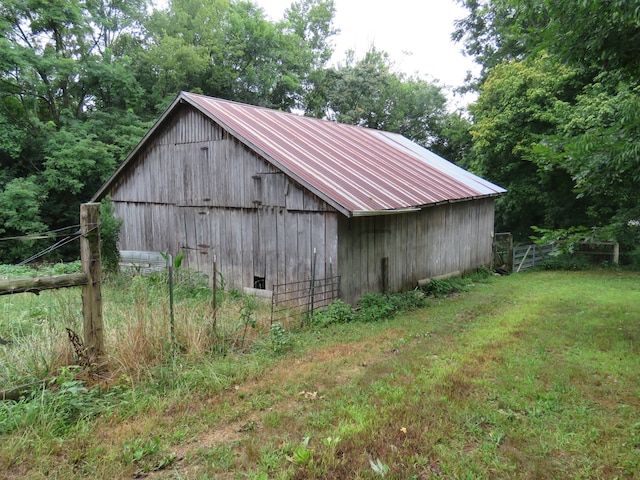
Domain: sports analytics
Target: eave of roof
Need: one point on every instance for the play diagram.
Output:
(356, 170)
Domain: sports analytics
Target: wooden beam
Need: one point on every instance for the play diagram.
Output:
(426, 281)
(36, 285)
(92, 291)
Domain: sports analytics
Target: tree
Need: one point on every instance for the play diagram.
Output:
(598, 144)
(595, 128)
(368, 93)
(520, 104)
(61, 62)
(596, 35)
(230, 50)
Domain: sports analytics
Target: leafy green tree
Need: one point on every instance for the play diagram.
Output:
(455, 142)
(20, 205)
(598, 144)
(369, 93)
(520, 104)
(230, 50)
(62, 72)
(593, 135)
(597, 35)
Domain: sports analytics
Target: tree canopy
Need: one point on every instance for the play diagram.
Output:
(556, 119)
(82, 81)
(557, 114)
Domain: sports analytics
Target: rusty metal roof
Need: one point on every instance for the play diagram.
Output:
(364, 171)
(359, 171)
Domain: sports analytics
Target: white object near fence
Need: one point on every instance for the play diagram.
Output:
(142, 262)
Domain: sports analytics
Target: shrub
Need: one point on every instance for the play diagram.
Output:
(566, 262)
(58, 408)
(373, 307)
(448, 286)
(407, 300)
(336, 312)
(280, 341)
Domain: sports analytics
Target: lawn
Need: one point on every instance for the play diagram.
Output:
(531, 376)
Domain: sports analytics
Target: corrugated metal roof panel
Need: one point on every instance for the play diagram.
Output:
(359, 169)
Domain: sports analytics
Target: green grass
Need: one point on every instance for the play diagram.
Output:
(533, 375)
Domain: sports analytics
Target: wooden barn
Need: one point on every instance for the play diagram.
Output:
(262, 190)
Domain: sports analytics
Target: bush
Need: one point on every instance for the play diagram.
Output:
(566, 262)
(109, 235)
(58, 408)
(373, 307)
(410, 300)
(336, 312)
(280, 340)
(448, 286)
(631, 259)
(441, 288)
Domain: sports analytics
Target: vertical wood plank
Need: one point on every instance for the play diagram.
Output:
(305, 249)
(281, 247)
(235, 247)
(346, 268)
(412, 252)
(248, 261)
(331, 242)
(269, 245)
(291, 247)
(317, 233)
(362, 240)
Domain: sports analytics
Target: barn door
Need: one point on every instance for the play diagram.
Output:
(259, 253)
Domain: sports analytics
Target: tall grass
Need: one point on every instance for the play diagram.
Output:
(136, 316)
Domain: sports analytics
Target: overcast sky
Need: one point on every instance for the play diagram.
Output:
(415, 33)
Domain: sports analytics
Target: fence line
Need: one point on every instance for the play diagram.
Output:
(296, 300)
(90, 279)
(142, 262)
(529, 256)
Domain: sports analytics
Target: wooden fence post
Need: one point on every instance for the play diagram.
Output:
(92, 291)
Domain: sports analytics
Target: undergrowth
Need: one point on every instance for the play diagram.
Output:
(375, 307)
(537, 373)
(449, 286)
(59, 405)
(203, 360)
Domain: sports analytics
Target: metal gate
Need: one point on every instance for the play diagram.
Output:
(297, 300)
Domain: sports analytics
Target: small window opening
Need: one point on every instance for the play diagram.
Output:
(259, 283)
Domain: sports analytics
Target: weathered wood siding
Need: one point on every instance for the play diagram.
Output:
(195, 188)
(198, 190)
(395, 251)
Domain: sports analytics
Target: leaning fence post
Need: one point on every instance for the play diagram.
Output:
(92, 291)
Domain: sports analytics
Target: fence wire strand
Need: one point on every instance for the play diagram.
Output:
(60, 243)
(42, 235)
